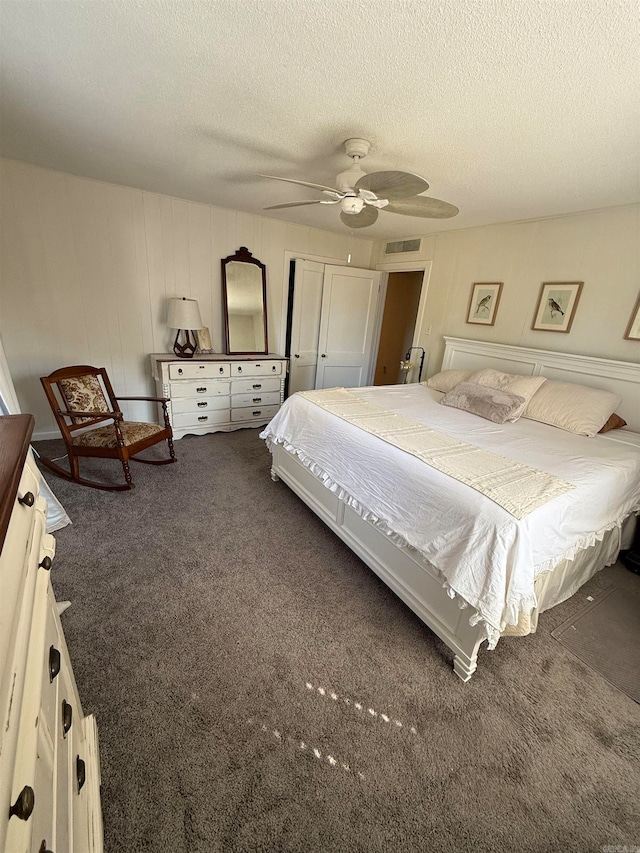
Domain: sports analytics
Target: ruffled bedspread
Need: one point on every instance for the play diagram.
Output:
(486, 558)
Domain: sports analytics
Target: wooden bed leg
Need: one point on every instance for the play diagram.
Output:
(464, 667)
(274, 476)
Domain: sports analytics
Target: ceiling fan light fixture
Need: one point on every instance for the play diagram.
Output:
(351, 204)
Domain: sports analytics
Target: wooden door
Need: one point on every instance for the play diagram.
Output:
(349, 314)
(305, 325)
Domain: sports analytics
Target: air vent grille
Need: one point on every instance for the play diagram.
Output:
(398, 247)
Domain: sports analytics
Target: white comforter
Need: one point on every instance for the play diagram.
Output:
(485, 555)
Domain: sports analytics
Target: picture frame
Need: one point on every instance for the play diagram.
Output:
(484, 302)
(203, 339)
(633, 329)
(556, 308)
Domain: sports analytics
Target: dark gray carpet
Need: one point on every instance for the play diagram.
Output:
(249, 675)
(605, 634)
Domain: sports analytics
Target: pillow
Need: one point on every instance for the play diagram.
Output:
(614, 422)
(574, 408)
(523, 386)
(490, 403)
(446, 379)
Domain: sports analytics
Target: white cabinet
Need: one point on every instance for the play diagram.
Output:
(49, 766)
(213, 393)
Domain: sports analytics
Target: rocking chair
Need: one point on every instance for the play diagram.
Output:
(77, 397)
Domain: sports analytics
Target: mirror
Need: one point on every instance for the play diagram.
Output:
(244, 295)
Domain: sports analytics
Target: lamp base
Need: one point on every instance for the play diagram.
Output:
(187, 349)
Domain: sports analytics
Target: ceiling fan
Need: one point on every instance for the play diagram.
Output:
(360, 195)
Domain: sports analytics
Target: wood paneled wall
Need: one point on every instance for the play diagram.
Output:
(88, 267)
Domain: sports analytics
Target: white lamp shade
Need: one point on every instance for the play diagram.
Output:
(184, 314)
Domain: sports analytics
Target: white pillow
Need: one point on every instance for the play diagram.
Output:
(574, 408)
(446, 379)
(521, 386)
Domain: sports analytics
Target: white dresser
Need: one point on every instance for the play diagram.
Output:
(212, 393)
(49, 766)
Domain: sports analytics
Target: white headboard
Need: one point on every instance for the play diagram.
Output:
(621, 377)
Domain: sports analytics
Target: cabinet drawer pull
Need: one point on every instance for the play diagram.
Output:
(67, 717)
(258, 412)
(43, 847)
(239, 370)
(203, 418)
(24, 804)
(273, 368)
(257, 386)
(54, 662)
(27, 499)
(201, 390)
(257, 399)
(221, 369)
(180, 371)
(46, 563)
(202, 404)
(81, 772)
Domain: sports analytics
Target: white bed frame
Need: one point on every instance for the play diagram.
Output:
(410, 577)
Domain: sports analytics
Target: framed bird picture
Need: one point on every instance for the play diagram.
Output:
(483, 305)
(557, 305)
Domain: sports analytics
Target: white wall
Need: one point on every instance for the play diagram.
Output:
(602, 249)
(88, 267)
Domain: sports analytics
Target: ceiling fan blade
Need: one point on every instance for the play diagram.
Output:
(294, 204)
(422, 205)
(392, 185)
(367, 216)
(320, 187)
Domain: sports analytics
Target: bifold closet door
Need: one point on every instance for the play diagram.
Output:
(305, 325)
(348, 317)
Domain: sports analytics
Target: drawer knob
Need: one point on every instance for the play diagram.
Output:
(297, 355)
(67, 717)
(201, 390)
(221, 369)
(202, 404)
(273, 368)
(81, 772)
(258, 412)
(46, 564)
(180, 371)
(257, 399)
(43, 848)
(24, 804)
(203, 418)
(27, 499)
(257, 386)
(54, 662)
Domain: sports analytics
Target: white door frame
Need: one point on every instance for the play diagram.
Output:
(406, 266)
(301, 256)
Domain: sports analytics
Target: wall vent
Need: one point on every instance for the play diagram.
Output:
(397, 247)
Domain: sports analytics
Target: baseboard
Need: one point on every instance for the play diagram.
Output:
(45, 435)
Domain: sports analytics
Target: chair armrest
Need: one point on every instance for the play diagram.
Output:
(146, 399)
(72, 413)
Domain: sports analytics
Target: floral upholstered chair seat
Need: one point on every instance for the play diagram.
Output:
(105, 436)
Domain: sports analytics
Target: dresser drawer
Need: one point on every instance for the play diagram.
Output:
(197, 370)
(198, 419)
(246, 386)
(252, 413)
(257, 398)
(28, 835)
(204, 388)
(257, 368)
(193, 404)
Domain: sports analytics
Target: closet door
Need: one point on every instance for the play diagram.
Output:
(305, 325)
(349, 313)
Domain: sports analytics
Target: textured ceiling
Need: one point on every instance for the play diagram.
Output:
(511, 109)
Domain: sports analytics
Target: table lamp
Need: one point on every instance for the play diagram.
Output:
(184, 315)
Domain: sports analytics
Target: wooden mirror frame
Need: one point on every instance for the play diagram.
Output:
(243, 255)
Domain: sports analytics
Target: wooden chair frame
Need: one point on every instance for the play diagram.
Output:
(124, 452)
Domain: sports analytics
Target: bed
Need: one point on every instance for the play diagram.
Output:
(472, 568)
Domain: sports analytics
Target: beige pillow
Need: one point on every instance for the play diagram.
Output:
(446, 379)
(490, 403)
(574, 408)
(522, 386)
